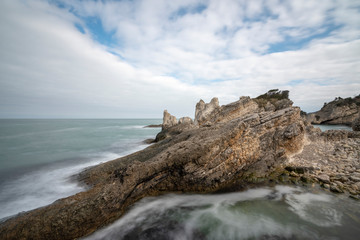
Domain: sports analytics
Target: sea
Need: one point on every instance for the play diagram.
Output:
(39, 157)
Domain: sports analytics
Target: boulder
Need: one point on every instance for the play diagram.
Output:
(186, 120)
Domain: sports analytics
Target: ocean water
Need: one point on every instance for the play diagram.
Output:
(325, 127)
(39, 157)
(279, 212)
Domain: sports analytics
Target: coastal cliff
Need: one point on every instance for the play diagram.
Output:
(224, 149)
(339, 111)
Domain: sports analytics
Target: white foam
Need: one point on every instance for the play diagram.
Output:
(315, 208)
(42, 187)
(244, 215)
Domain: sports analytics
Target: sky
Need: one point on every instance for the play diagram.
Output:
(135, 58)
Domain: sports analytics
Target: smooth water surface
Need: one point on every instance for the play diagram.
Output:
(38, 157)
(324, 127)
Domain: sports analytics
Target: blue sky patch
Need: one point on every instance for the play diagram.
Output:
(79, 27)
(98, 32)
(296, 43)
(296, 82)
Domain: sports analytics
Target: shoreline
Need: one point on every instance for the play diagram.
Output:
(247, 142)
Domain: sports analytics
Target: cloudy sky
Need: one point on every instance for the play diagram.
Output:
(133, 59)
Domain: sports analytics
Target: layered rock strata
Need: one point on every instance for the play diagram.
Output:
(239, 144)
(339, 111)
(331, 159)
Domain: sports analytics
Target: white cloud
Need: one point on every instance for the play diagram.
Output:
(174, 52)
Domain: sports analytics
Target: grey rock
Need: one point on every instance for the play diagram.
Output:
(324, 178)
(186, 120)
(355, 179)
(339, 111)
(204, 110)
(356, 124)
(336, 189)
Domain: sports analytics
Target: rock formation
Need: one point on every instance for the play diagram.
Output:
(329, 158)
(339, 111)
(210, 113)
(356, 124)
(168, 120)
(204, 110)
(227, 147)
(185, 120)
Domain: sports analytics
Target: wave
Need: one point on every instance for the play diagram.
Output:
(282, 212)
(47, 184)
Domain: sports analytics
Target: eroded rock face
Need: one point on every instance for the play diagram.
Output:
(185, 120)
(168, 120)
(239, 144)
(203, 111)
(339, 111)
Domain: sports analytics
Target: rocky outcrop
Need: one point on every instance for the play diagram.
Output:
(185, 120)
(203, 110)
(330, 159)
(340, 111)
(274, 100)
(356, 124)
(241, 143)
(168, 120)
(211, 113)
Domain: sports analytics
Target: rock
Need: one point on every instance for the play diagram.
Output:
(149, 141)
(168, 120)
(305, 179)
(355, 179)
(274, 100)
(324, 178)
(269, 107)
(336, 189)
(339, 111)
(185, 120)
(298, 169)
(356, 124)
(153, 126)
(204, 110)
(191, 159)
(339, 184)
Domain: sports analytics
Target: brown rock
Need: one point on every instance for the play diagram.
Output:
(339, 111)
(196, 159)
